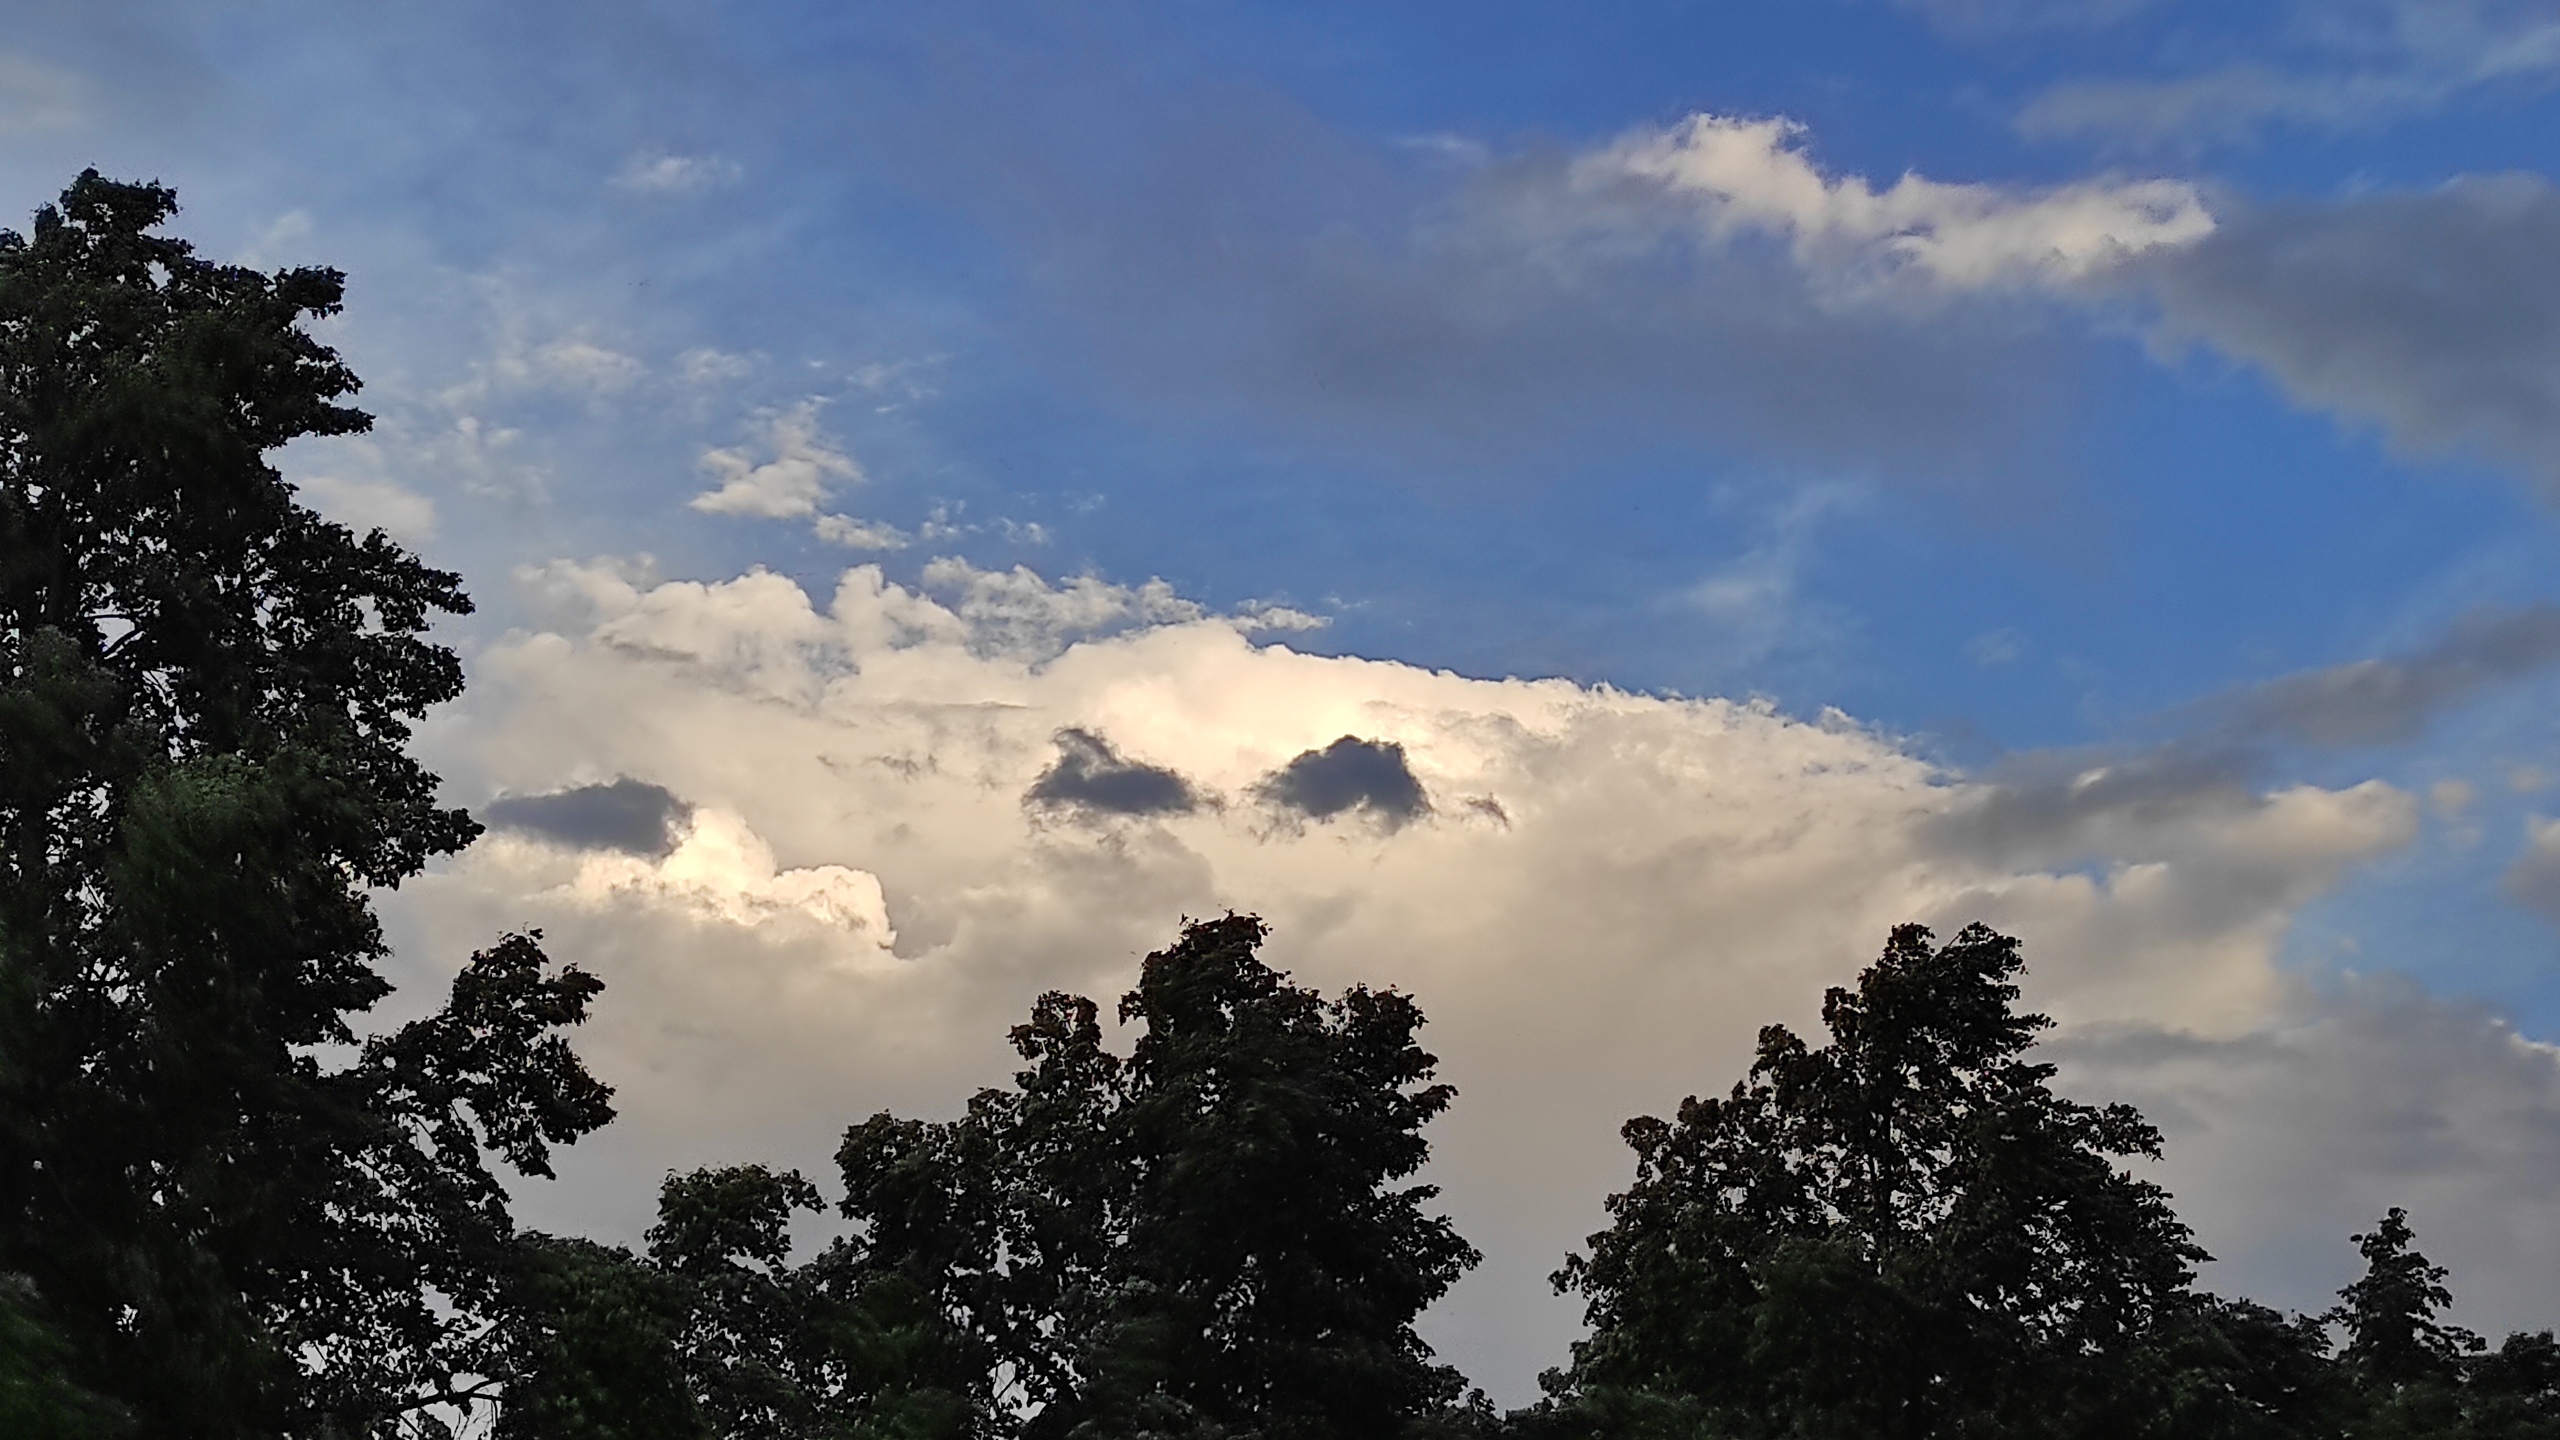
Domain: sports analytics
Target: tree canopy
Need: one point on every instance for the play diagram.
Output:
(237, 1215)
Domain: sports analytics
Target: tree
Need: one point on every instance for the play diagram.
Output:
(238, 1217)
(1903, 1232)
(2393, 1335)
(1208, 1237)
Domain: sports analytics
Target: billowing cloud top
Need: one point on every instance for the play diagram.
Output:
(1598, 896)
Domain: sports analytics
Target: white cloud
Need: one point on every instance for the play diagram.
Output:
(791, 482)
(1015, 612)
(1751, 175)
(1612, 894)
(706, 366)
(363, 505)
(855, 534)
(516, 365)
(664, 174)
(725, 872)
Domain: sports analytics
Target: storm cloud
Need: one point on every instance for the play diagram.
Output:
(632, 816)
(1349, 774)
(1091, 776)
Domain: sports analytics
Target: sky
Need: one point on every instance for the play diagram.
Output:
(1587, 513)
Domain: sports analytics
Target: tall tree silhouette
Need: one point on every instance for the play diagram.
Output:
(1902, 1232)
(1208, 1237)
(236, 1217)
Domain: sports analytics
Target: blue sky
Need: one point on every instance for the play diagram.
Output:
(1441, 325)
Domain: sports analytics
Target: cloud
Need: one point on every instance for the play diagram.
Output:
(1349, 774)
(2285, 1140)
(707, 366)
(2434, 315)
(1016, 612)
(855, 534)
(1092, 777)
(2387, 701)
(628, 815)
(2370, 64)
(1994, 648)
(363, 505)
(664, 174)
(1539, 310)
(789, 484)
(1752, 175)
(2533, 881)
(1617, 891)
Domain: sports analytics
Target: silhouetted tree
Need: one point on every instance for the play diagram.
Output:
(2394, 1337)
(1206, 1238)
(1903, 1232)
(235, 1216)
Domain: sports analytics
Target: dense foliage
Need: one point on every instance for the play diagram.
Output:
(224, 1212)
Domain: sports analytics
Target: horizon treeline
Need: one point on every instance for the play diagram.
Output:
(227, 1212)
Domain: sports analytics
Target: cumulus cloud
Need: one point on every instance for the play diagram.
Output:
(1349, 774)
(1745, 174)
(1614, 893)
(783, 475)
(2433, 315)
(628, 815)
(1016, 612)
(1093, 777)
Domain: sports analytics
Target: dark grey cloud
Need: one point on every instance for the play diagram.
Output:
(2433, 316)
(629, 815)
(2047, 807)
(2039, 805)
(2386, 701)
(1349, 774)
(1091, 776)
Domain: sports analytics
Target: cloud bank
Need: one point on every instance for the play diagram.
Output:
(1598, 896)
